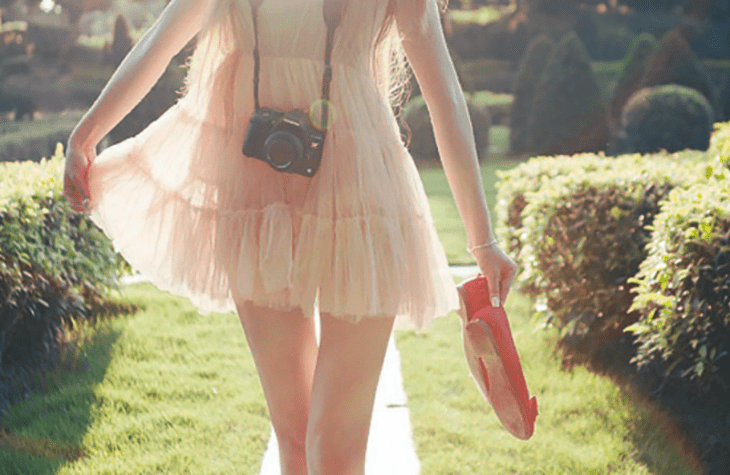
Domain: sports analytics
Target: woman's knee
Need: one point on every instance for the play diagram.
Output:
(330, 450)
(348, 368)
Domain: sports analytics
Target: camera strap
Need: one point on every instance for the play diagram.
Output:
(332, 11)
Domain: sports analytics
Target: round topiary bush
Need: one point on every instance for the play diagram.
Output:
(669, 117)
(632, 74)
(528, 74)
(419, 132)
(568, 112)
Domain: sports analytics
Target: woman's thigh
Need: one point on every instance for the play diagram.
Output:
(348, 368)
(283, 344)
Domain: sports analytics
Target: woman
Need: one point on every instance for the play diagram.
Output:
(187, 208)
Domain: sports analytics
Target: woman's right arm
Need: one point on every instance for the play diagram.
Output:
(139, 71)
(142, 68)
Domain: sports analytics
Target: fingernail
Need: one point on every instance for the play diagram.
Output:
(495, 302)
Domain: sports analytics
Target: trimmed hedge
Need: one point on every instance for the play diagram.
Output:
(29, 141)
(417, 128)
(578, 228)
(486, 75)
(684, 289)
(55, 266)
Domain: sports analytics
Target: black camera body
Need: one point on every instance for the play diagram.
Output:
(285, 140)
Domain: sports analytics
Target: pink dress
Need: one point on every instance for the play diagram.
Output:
(187, 209)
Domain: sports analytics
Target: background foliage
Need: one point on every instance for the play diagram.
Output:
(55, 266)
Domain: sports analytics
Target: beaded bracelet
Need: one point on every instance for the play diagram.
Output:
(488, 244)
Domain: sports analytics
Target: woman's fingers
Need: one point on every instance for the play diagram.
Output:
(494, 284)
(508, 278)
(500, 271)
(76, 182)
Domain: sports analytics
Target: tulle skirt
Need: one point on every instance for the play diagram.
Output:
(199, 219)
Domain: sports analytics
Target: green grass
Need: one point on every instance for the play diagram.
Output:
(164, 390)
(489, 98)
(449, 225)
(161, 391)
(586, 425)
(479, 16)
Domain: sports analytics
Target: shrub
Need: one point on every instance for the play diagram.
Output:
(674, 62)
(669, 117)
(55, 266)
(632, 74)
(719, 151)
(20, 104)
(552, 6)
(29, 141)
(496, 40)
(568, 113)
(498, 105)
(421, 139)
(581, 234)
(529, 70)
(486, 75)
(683, 289)
(53, 39)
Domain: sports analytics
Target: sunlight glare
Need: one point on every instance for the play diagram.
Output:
(47, 6)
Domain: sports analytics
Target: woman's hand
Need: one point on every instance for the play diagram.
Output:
(76, 177)
(499, 269)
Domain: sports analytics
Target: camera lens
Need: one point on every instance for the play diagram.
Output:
(282, 148)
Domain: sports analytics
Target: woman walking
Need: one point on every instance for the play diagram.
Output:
(279, 183)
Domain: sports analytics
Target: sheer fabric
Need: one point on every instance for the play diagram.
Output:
(188, 210)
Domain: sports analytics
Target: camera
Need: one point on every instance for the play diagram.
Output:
(285, 140)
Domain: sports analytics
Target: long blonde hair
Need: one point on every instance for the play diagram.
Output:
(392, 70)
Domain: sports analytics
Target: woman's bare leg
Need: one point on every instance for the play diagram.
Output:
(284, 348)
(345, 379)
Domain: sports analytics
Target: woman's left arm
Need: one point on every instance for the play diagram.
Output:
(425, 47)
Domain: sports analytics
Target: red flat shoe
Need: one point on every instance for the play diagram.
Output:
(493, 360)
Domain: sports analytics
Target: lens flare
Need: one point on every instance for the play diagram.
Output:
(315, 114)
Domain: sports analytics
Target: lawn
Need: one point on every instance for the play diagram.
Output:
(586, 424)
(164, 390)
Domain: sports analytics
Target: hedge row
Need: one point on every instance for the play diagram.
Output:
(29, 141)
(684, 288)
(684, 284)
(578, 227)
(581, 229)
(56, 267)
